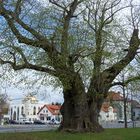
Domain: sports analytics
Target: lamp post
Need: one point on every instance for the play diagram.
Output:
(132, 113)
(124, 102)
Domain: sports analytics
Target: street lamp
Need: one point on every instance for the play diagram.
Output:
(132, 113)
(124, 102)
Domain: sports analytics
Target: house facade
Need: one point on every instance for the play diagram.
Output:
(50, 112)
(136, 110)
(30, 109)
(107, 113)
(113, 108)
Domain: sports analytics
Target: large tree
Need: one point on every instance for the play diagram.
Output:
(78, 42)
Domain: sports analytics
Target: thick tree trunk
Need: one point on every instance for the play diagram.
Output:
(79, 114)
(80, 110)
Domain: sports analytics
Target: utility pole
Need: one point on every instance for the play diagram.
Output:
(124, 103)
(132, 113)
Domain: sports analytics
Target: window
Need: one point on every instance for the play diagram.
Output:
(48, 118)
(18, 113)
(41, 118)
(22, 110)
(46, 111)
(14, 115)
(34, 111)
(11, 113)
(57, 118)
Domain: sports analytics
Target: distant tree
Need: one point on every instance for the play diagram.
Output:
(57, 103)
(52, 103)
(3, 105)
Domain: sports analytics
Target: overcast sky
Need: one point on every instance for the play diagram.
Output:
(47, 95)
(9, 85)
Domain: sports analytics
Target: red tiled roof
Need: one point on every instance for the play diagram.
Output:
(135, 104)
(115, 96)
(112, 96)
(105, 107)
(54, 109)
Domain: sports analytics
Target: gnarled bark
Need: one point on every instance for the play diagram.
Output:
(80, 116)
(80, 111)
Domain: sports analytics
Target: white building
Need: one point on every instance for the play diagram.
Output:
(50, 112)
(107, 113)
(136, 110)
(27, 109)
(31, 109)
(113, 108)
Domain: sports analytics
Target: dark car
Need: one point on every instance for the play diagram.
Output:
(12, 122)
(38, 122)
(122, 121)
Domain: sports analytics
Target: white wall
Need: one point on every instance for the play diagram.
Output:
(108, 116)
(28, 111)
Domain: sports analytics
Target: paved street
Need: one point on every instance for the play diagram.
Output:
(119, 125)
(26, 128)
(32, 127)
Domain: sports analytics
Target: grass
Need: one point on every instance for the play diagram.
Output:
(108, 134)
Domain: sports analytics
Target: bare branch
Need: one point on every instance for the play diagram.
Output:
(19, 50)
(29, 66)
(117, 84)
(58, 5)
(18, 7)
(113, 71)
(7, 14)
(126, 82)
(40, 43)
(67, 18)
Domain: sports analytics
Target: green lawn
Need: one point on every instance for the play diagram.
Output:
(109, 134)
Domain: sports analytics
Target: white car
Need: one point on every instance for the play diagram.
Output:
(28, 122)
(21, 122)
(129, 121)
(54, 122)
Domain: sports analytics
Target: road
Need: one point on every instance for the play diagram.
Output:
(108, 124)
(32, 127)
(26, 128)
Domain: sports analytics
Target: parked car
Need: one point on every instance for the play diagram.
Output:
(28, 122)
(21, 122)
(129, 121)
(38, 122)
(52, 122)
(122, 121)
(12, 122)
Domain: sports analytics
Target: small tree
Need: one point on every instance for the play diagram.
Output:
(3, 105)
